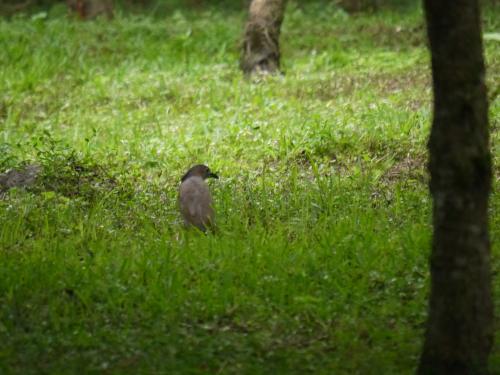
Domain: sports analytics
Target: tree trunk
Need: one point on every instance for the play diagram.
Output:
(89, 9)
(261, 50)
(459, 333)
(10, 8)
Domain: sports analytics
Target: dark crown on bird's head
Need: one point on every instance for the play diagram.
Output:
(199, 170)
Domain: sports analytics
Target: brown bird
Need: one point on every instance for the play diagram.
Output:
(195, 200)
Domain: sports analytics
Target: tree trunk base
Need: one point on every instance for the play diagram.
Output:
(90, 9)
(261, 51)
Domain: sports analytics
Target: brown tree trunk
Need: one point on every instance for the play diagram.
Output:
(89, 9)
(459, 331)
(11, 8)
(261, 50)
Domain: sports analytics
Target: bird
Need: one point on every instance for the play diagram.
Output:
(195, 200)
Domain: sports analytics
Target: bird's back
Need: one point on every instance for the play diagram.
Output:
(195, 203)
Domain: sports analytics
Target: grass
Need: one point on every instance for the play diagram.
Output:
(320, 265)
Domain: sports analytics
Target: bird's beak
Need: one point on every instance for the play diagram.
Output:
(213, 175)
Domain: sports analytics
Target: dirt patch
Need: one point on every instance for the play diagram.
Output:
(410, 168)
(383, 83)
(19, 177)
(395, 36)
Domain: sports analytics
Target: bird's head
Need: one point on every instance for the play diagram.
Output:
(199, 170)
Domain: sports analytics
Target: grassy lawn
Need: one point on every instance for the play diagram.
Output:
(320, 263)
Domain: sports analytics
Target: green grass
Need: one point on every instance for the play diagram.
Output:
(320, 263)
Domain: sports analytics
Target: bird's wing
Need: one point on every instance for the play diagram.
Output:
(196, 203)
